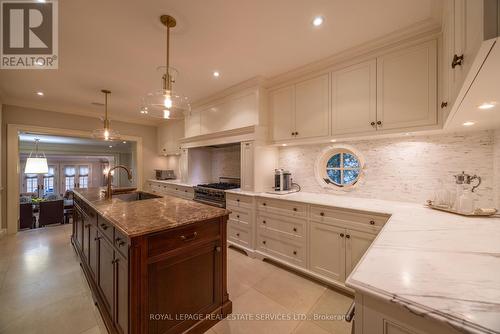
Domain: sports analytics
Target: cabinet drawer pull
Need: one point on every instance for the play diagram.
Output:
(120, 242)
(341, 235)
(372, 124)
(321, 214)
(347, 236)
(237, 200)
(295, 229)
(104, 226)
(189, 237)
(372, 222)
(238, 216)
(379, 123)
(457, 61)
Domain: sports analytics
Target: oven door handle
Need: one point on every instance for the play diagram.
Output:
(350, 312)
(220, 205)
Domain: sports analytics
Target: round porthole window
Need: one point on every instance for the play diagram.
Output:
(339, 167)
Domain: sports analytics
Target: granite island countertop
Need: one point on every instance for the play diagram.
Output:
(439, 265)
(137, 218)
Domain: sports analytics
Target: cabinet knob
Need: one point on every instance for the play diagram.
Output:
(294, 252)
(237, 200)
(341, 235)
(218, 249)
(238, 216)
(263, 222)
(372, 123)
(237, 234)
(104, 226)
(264, 204)
(347, 236)
(372, 222)
(295, 229)
(294, 209)
(379, 123)
(293, 133)
(457, 61)
(321, 214)
(296, 133)
(444, 104)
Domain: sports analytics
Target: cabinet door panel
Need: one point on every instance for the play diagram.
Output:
(354, 100)
(121, 292)
(106, 272)
(86, 237)
(93, 261)
(407, 87)
(356, 246)
(311, 107)
(327, 251)
(282, 105)
(79, 230)
(196, 276)
(247, 167)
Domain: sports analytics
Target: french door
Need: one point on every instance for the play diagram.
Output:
(76, 176)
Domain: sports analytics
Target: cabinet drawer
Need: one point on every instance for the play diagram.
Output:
(288, 227)
(339, 216)
(86, 209)
(121, 243)
(239, 201)
(105, 228)
(242, 217)
(238, 235)
(282, 207)
(283, 249)
(163, 242)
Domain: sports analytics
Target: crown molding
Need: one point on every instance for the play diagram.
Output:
(426, 28)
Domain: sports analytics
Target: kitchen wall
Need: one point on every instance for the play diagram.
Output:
(226, 161)
(409, 168)
(37, 117)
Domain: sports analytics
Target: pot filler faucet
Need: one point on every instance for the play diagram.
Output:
(108, 191)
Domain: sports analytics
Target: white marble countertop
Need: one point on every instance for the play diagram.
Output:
(176, 182)
(436, 264)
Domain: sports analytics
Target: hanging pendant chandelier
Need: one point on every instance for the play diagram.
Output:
(106, 132)
(36, 164)
(166, 103)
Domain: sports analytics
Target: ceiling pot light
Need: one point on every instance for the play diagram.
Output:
(39, 93)
(318, 20)
(38, 163)
(333, 140)
(166, 103)
(106, 132)
(216, 74)
(468, 123)
(487, 105)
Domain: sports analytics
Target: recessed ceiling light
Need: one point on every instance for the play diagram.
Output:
(42, 1)
(487, 105)
(407, 134)
(110, 146)
(317, 21)
(39, 93)
(216, 74)
(124, 142)
(283, 144)
(333, 140)
(468, 123)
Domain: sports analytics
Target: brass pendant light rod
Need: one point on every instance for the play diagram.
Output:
(106, 121)
(169, 22)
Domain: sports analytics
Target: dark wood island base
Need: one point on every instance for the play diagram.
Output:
(168, 281)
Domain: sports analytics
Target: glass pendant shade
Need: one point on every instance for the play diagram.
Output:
(106, 132)
(166, 103)
(37, 164)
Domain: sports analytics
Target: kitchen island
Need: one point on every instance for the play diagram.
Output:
(154, 264)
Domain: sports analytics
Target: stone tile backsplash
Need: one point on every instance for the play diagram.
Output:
(409, 168)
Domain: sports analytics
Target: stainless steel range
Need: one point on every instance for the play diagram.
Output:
(215, 193)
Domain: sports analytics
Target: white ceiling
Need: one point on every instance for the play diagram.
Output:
(117, 44)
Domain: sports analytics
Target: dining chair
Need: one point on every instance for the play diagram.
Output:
(26, 217)
(51, 212)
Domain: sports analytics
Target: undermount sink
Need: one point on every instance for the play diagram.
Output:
(135, 196)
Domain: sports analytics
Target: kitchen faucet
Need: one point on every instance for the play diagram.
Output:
(108, 191)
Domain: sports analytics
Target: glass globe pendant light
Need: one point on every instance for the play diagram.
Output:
(166, 103)
(106, 132)
(38, 163)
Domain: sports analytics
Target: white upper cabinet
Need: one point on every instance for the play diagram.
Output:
(311, 108)
(354, 100)
(407, 87)
(301, 110)
(192, 124)
(282, 106)
(168, 137)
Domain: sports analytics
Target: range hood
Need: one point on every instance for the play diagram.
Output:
(481, 85)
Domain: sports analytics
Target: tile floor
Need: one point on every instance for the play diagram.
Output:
(43, 290)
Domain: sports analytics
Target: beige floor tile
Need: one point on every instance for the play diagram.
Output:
(308, 327)
(255, 306)
(93, 330)
(292, 291)
(329, 312)
(247, 271)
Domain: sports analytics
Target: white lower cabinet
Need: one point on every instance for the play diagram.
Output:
(241, 225)
(357, 243)
(327, 246)
(172, 189)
